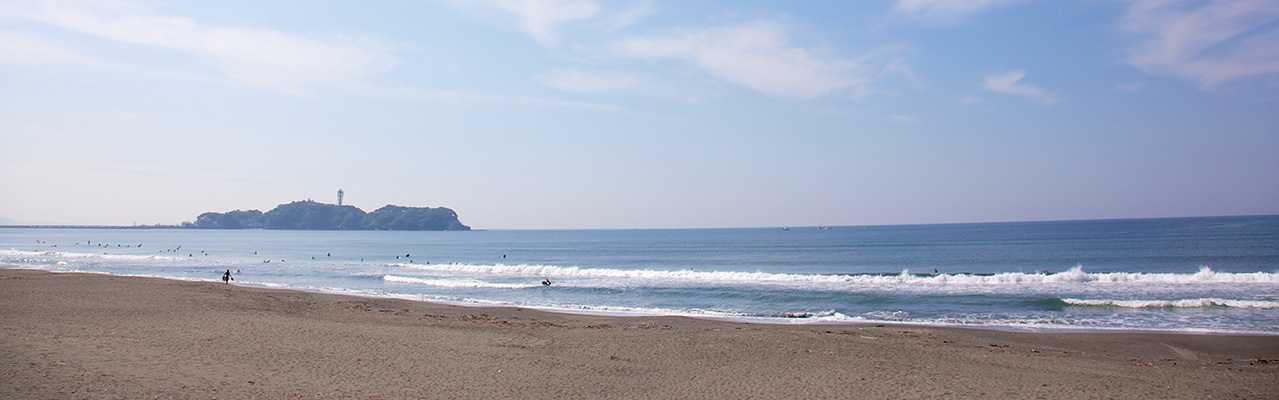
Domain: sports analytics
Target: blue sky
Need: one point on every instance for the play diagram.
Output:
(642, 114)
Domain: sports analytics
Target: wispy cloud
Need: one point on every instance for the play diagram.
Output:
(260, 57)
(944, 10)
(23, 49)
(901, 119)
(458, 97)
(1209, 43)
(758, 55)
(1009, 83)
(118, 172)
(628, 14)
(588, 81)
(1131, 87)
(540, 19)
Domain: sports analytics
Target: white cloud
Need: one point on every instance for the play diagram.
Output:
(1131, 87)
(265, 57)
(1007, 83)
(594, 82)
(540, 18)
(944, 10)
(255, 56)
(464, 97)
(630, 14)
(1206, 42)
(21, 49)
(901, 119)
(759, 56)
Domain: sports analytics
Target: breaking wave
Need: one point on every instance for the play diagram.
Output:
(456, 283)
(1178, 303)
(64, 254)
(1073, 275)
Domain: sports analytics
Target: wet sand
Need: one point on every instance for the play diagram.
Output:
(96, 336)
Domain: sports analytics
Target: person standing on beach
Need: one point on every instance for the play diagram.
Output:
(226, 277)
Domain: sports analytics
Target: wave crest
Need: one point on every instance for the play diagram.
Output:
(456, 283)
(1074, 275)
(1177, 303)
(67, 254)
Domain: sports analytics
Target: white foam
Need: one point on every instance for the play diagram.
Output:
(830, 317)
(67, 254)
(456, 283)
(1177, 303)
(1074, 275)
(639, 311)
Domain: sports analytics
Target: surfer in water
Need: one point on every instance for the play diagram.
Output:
(546, 282)
(226, 277)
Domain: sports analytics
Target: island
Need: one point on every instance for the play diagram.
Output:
(311, 215)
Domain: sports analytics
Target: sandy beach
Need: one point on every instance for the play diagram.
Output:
(97, 336)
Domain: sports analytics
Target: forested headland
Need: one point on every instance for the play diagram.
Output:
(310, 215)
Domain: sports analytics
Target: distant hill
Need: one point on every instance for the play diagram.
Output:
(310, 215)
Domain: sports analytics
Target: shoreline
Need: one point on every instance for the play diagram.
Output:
(74, 335)
(757, 320)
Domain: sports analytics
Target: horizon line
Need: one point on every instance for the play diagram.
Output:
(179, 225)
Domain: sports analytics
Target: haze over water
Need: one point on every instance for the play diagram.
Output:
(1216, 274)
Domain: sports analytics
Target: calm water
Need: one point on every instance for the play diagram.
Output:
(1187, 274)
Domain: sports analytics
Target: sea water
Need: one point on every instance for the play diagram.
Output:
(1207, 275)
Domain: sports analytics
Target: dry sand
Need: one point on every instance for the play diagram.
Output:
(95, 336)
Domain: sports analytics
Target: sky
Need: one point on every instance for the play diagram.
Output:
(581, 114)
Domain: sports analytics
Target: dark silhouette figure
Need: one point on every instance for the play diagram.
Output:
(546, 282)
(226, 277)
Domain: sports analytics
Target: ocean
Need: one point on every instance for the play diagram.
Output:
(1198, 275)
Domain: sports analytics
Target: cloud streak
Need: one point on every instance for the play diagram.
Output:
(587, 81)
(759, 56)
(1210, 43)
(457, 97)
(540, 19)
(21, 49)
(1009, 83)
(260, 57)
(944, 10)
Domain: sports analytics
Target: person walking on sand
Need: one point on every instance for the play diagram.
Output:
(226, 277)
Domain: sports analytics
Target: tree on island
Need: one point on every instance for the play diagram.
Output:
(310, 215)
(397, 218)
(238, 219)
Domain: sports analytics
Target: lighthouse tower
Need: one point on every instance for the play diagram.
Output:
(340, 196)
